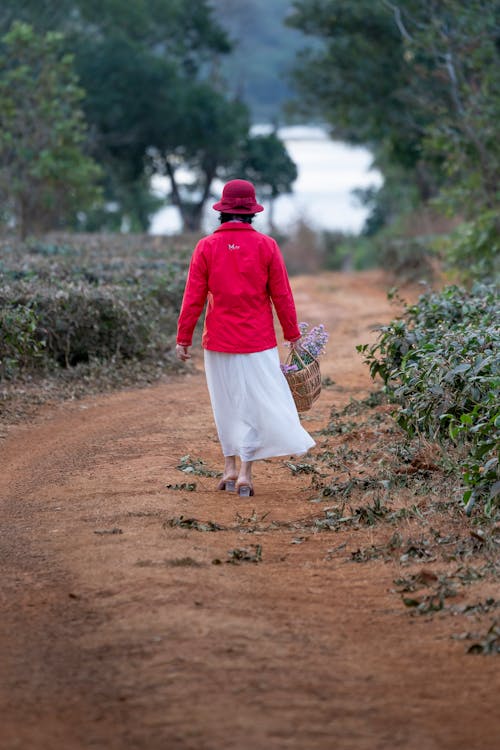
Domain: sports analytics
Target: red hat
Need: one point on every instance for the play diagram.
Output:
(238, 197)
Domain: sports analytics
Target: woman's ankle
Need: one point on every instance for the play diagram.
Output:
(230, 468)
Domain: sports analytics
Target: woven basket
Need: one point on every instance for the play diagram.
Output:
(305, 383)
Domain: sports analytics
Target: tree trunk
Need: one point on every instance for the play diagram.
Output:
(196, 212)
(425, 183)
(176, 196)
(191, 212)
(191, 216)
(270, 215)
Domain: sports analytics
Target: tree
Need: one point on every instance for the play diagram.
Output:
(146, 68)
(454, 53)
(263, 51)
(266, 162)
(415, 80)
(131, 104)
(208, 136)
(353, 78)
(45, 175)
(154, 99)
(181, 30)
(147, 94)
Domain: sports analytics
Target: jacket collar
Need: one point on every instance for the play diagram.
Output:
(235, 225)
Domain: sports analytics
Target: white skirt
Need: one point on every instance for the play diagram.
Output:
(254, 411)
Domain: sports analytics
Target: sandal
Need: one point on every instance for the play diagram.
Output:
(227, 485)
(244, 489)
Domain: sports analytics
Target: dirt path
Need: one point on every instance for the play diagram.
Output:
(119, 631)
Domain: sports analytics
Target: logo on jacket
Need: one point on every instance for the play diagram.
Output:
(233, 247)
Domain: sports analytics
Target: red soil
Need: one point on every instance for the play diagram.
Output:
(135, 639)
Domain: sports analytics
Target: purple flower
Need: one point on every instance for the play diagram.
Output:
(289, 368)
(312, 344)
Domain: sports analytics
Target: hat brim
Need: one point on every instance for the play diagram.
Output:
(226, 208)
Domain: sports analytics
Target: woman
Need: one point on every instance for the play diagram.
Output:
(241, 271)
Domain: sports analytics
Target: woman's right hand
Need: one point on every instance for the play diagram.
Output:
(182, 352)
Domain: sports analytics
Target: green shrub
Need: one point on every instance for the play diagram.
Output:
(19, 342)
(81, 323)
(441, 364)
(474, 248)
(77, 322)
(89, 298)
(407, 258)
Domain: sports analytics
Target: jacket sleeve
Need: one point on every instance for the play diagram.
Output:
(281, 296)
(195, 295)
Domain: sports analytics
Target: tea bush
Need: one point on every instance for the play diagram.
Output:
(63, 304)
(441, 363)
(19, 344)
(73, 323)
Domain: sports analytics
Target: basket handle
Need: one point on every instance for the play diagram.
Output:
(296, 352)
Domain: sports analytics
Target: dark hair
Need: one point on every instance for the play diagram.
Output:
(247, 218)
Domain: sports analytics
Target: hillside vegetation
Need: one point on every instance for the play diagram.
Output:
(264, 50)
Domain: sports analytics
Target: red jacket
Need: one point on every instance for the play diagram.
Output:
(240, 271)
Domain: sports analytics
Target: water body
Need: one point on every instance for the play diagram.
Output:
(322, 195)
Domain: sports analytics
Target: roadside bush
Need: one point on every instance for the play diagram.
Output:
(72, 323)
(473, 250)
(336, 256)
(97, 260)
(19, 343)
(63, 304)
(441, 363)
(406, 258)
(345, 252)
(303, 250)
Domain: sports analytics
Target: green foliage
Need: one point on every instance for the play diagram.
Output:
(194, 33)
(263, 51)
(79, 323)
(474, 248)
(149, 70)
(19, 343)
(208, 138)
(339, 250)
(458, 45)
(418, 82)
(352, 77)
(183, 30)
(156, 111)
(399, 196)
(405, 258)
(148, 96)
(104, 306)
(481, 428)
(45, 176)
(266, 162)
(441, 364)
